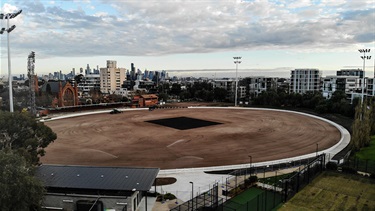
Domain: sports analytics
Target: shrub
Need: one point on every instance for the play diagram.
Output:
(331, 166)
(169, 196)
(253, 179)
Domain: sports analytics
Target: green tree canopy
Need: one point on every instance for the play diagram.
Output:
(361, 126)
(20, 190)
(22, 134)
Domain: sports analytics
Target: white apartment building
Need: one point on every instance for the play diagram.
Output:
(260, 84)
(111, 77)
(347, 84)
(305, 80)
(89, 82)
(371, 87)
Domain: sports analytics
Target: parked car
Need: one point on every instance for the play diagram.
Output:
(115, 111)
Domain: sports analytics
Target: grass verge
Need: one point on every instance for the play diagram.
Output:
(335, 191)
(367, 153)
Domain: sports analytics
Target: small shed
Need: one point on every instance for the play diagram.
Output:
(81, 188)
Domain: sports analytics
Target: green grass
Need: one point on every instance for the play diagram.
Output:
(247, 195)
(335, 191)
(367, 153)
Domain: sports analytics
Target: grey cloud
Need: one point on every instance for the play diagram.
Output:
(151, 28)
(33, 7)
(366, 37)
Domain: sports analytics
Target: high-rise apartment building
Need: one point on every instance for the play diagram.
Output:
(305, 80)
(111, 77)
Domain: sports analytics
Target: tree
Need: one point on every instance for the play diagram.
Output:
(21, 134)
(372, 115)
(176, 89)
(78, 78)
(20, 190)
(220, 94)
(361, 126)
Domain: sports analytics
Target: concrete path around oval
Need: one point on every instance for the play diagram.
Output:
(203, 181)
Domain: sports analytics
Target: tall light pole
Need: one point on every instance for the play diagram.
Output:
(236, 61)
(192, 195)
(364, 57)
(9, 29)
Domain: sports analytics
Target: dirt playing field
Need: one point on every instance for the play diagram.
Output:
(127, 139)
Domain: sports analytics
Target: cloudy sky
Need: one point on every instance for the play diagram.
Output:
(272, 36)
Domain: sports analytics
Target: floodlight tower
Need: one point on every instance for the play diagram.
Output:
(31, 76)
(236, 61)
(364, 57)
(9, 29)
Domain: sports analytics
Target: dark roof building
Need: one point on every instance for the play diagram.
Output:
(104, 187)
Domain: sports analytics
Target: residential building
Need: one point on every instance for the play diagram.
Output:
(347, 84)
(88, 83)
(227, 84)
(111, 77)
(350, 72)
(371, 87)
(260, 84)
(305, 80)
(241, 92)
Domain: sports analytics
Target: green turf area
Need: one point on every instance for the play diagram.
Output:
(247, 195)
(254, 199)
(335, 191)
(367, 153)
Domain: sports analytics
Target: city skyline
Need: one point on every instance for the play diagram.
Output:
(189, 37)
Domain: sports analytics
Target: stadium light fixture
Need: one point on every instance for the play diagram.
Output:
(9, 29)
(237, 60)
(364, 57)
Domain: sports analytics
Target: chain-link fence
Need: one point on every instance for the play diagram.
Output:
(206, 201)
(300, 179)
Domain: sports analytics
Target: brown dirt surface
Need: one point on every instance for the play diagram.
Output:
(126, 139)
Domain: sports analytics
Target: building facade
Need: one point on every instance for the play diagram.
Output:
(73, 188)
(227, 84)
(88, 83)
(111, 77)
(347, 84)
(261, 84)
(371, 87)
(305, 80)
(350, 72)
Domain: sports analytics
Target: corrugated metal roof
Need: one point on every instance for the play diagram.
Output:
(98, 178)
